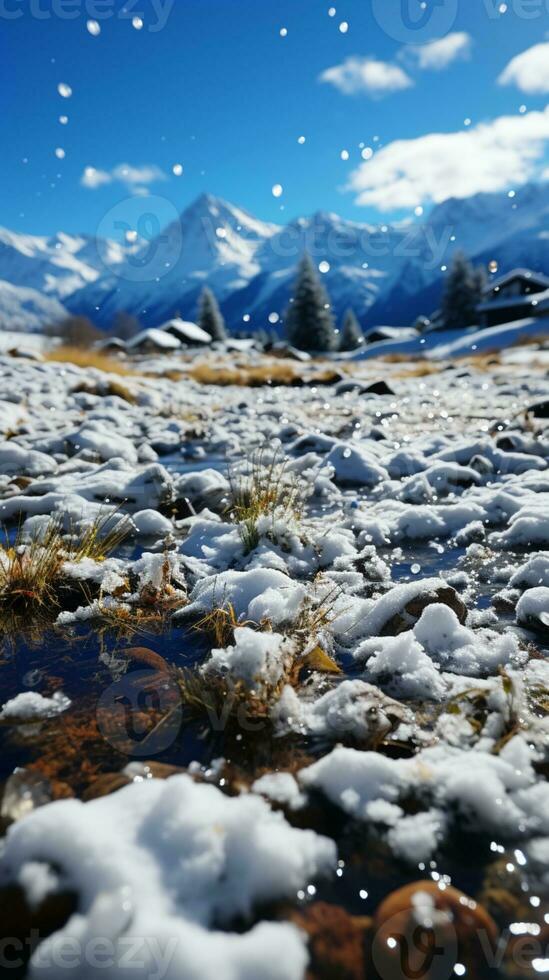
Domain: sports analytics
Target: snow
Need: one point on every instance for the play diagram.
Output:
(352, 709)
(415, 511)
(493, 793)
(402, 667)
(280, 787)
(353, 465)
(186, 332)
(15, 460)
(107, 446)
(150, 523)
(534, 605)
(30, 706)
(27, 310)
(231, 854)
(154, 337)
(255, 658)
(257, 595)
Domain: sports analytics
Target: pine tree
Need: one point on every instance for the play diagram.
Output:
(309, 323)
(210, 317)
(462, 294)
(351, 334)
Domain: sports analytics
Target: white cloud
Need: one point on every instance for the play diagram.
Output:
(134, 178)
(93, 178)
(492, 156)
(366, 75)
(437, 55)
(529, 71)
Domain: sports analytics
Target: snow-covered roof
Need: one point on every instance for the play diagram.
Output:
(539, 301)
(111, 342)
(154, 336)
(186, 331)
(535, 277)
(392, 333)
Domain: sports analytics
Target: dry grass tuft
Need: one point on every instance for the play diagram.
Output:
(276, 373)
(87, 359)
(220, 623)
(28, 572)
(100, 539)
(263, 489)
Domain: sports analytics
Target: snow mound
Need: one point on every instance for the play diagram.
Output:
(29, 705)
(171, 860)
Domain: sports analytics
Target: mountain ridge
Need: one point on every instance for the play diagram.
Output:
(389, 273)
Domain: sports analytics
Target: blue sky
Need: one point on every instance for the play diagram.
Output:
(218, 90)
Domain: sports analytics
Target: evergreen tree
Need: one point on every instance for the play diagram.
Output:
(210, 318)
(309, 323)
(351, 334)
(462, 294)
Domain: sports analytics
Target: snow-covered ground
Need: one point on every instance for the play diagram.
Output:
(369, 575)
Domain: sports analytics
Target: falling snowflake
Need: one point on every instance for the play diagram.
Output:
(94, 28)
(367, 153)
(277, 190)
(301, 139)
(65, 91)
(283, 32)
(323, 267)
(60, 153)
(344, 154)
(344, 27)
(63, 120)
(273, 318)
(178, 169)
(137, 23)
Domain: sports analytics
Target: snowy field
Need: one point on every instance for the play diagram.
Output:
(270, 655)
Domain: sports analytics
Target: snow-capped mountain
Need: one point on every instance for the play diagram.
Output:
(23, 309)
(213, 242)
(387, 273)
(58, 265)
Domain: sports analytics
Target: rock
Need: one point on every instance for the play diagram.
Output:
(108, 782)
(540, 410)
(411, 612)
(147, 657)
(378, 388)
(23, 791)
(430, 929)
(27, 924)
